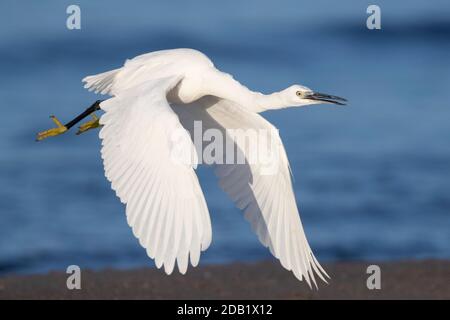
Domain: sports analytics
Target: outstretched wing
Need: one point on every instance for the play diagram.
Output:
(144, 151)
(261, 187)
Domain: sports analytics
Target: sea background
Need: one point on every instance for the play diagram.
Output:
(372, 180)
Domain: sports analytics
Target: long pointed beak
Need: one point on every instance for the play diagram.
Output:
(326, 98)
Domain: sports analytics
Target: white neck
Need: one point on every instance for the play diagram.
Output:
(272, 101)
(224, 86)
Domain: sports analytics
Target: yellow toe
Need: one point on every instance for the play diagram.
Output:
(94, 123)
(60, 129)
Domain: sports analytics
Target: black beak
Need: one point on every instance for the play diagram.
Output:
(326, 98)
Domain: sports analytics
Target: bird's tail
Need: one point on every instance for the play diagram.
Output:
(102, 82)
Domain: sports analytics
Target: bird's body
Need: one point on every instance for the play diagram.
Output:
(156, 100)
(186, 63)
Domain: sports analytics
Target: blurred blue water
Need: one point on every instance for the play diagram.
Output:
(372, 180)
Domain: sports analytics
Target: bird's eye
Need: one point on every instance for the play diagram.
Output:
(299, 93)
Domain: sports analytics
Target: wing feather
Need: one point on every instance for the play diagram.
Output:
(267, 199)
(165, 206)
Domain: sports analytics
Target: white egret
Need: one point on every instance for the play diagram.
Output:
(157, 93)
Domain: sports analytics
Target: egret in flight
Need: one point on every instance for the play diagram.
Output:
(156, 94)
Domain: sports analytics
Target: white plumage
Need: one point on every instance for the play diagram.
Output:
(159, 93)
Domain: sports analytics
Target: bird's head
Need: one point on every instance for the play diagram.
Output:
(298, 95)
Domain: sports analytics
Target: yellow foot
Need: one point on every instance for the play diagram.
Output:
(94, 123)
(60, 129)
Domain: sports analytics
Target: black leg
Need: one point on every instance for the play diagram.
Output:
(94, 107)
(60, 128)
